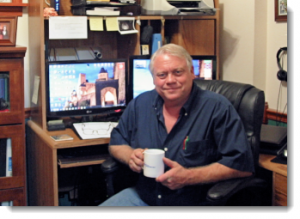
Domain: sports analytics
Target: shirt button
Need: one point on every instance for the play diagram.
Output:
(166, 149)
(159, 196)
(186, 114)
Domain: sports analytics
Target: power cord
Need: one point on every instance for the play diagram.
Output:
(277, 110)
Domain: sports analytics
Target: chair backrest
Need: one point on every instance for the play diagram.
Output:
(249, 103)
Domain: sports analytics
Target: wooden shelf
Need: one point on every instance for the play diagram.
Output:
(81, 161)
(12, 9)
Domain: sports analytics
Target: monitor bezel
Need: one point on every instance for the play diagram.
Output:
(85, 112)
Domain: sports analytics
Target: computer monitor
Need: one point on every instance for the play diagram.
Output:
(141, 78)
(86, 87)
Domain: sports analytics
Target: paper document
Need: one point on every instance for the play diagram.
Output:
(91, 130)
(104, 11)
(68, 27)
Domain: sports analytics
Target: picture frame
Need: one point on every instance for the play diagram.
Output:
(8, 31)
(280, 10)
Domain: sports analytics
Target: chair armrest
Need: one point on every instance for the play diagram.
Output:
(110, 165)
(222, 191)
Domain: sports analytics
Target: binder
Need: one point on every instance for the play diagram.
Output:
(2, 157)
(8, 157)
(156, 42)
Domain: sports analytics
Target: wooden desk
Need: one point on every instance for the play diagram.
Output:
(279, 179)
(42, 161)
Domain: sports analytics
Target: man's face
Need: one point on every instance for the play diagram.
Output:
(172, 78)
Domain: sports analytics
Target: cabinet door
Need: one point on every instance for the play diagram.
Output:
(198, 37)
(15, 176)
(11, 91)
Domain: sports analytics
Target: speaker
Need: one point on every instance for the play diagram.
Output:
(281, 74)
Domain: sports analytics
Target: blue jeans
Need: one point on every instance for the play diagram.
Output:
(127, 197)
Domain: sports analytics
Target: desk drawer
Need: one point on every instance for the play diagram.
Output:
(280, 190)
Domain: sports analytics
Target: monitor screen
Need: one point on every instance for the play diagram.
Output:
(141, 78)
(86, 87)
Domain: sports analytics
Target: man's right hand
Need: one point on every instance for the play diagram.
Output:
(136, 161)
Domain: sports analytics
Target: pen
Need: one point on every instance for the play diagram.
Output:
(185, 142)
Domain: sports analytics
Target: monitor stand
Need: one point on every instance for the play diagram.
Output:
(89, 118)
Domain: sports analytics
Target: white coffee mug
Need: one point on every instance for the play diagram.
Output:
(153, 162)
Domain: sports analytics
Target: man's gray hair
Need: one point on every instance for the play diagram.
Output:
(174, 50)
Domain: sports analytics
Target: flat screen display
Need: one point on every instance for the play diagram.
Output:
(204, 69)
(87, 87)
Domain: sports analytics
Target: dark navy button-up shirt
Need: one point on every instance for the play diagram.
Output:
(208, 130)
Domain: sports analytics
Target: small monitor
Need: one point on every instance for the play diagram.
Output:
(205, 67)
(141, 78)
(86, 87)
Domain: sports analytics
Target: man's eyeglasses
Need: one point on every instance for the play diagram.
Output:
(96, 130)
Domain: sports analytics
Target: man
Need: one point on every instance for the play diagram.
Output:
(200, 131)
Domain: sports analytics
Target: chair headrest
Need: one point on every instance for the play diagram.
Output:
(233, 91)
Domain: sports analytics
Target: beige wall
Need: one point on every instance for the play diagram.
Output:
(250, 39)
(22, 40)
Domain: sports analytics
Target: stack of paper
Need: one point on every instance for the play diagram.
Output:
(91, 130)
(104, 11)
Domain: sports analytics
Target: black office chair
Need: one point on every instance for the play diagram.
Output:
(249, 102)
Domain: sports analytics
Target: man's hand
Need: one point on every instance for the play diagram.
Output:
(136, 160)
(176, 178)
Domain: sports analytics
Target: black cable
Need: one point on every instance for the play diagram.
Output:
(277, 110)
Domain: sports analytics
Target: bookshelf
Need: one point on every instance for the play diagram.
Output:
(12, 127)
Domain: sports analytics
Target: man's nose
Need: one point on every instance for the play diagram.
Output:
(170, 78)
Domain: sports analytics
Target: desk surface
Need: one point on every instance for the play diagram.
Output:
(76, 142)
(265, 162)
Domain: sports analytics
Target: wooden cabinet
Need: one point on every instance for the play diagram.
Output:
(279, 189)
(279, 178)
(12, 125)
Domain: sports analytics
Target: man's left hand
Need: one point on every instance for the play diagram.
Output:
(176, 178)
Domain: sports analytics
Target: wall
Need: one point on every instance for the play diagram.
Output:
(22, 40)
(249, 42)
(276, 38)
(250, 39)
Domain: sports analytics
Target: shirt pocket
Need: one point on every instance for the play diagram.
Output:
(199, 153)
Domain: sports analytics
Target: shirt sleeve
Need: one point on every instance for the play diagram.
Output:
(122, 133)
(231, 139)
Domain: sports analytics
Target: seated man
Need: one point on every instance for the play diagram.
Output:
(200, 131)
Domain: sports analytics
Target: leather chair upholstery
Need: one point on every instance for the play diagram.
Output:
(249, 102)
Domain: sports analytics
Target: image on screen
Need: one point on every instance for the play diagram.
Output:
(88, 85)
(204, 69)
(142, 78)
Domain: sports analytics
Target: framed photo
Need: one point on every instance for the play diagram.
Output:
(280, 10)
(8, 30)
